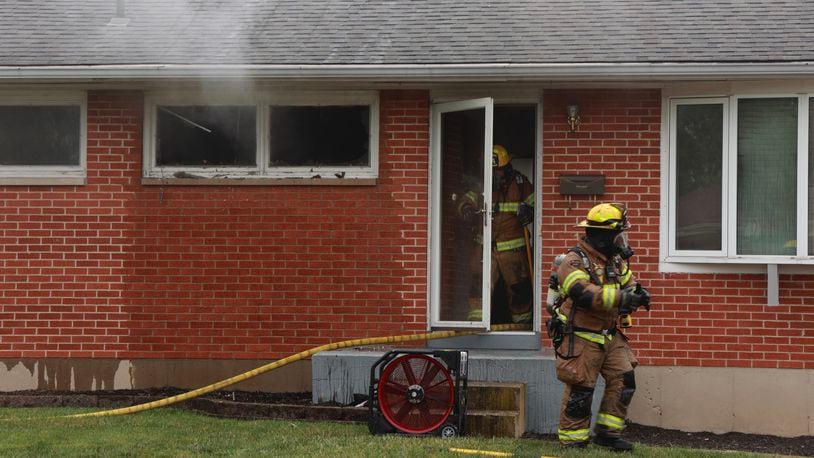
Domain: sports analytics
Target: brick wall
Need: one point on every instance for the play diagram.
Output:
(697, 319)
(115, 269)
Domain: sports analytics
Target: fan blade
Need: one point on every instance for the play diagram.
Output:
(403, 411)
(426, 416)
(429, 374)
(391, 387)
(408, 371)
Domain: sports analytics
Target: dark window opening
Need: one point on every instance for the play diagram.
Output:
(320, 136)
(40, 135)
(206, 136)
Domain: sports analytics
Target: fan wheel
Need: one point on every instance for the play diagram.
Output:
(416, 393)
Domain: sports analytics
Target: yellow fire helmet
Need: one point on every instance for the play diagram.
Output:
(607, 216)
(500, 157)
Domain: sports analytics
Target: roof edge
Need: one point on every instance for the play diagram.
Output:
(549, 72)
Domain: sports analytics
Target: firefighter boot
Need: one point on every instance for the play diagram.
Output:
(617, 444)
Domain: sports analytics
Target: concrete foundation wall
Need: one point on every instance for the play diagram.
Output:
(108, 374)
(779, 402)
(338, 375)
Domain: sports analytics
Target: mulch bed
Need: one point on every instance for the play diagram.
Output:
(255, 405)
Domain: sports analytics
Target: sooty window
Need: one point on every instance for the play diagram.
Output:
(42, 137)
(323, 135)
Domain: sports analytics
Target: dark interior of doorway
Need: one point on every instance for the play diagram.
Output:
(514, 127)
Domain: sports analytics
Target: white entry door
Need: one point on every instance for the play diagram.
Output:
(460, 250)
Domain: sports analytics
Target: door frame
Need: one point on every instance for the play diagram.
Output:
(518, 340)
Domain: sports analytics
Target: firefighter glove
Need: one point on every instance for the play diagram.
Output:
(469, 214)
(525, 213)
(553, 282)
(631, 300)
(640, 290)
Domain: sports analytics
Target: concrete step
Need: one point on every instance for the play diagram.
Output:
(494, 423)
(496, 409)
(496, 396)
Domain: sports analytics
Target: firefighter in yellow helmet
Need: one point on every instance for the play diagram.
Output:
(513, 209)
(596, 286)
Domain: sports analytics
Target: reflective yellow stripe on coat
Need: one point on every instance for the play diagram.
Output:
(572, 278)
(626, 277)
(530, 199)
(507, 207)
(609, 296)
(593, 337)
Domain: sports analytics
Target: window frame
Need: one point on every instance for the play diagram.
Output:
(262, 101)
(673, 160)
(49, 174)
(728, 255)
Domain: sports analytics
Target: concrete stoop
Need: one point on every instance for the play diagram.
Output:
(496, 409)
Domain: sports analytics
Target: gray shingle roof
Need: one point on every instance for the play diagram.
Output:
(297, 32)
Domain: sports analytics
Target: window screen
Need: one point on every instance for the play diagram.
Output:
(40, 135)
(206, 136)
(320, 136)
(699, 164)
(767, 176)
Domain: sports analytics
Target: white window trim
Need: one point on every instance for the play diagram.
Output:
(49, 174)
(262, 102)
(672, 205)
(672, 260)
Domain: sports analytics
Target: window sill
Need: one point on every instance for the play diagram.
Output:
(735, 266)
(207, 181)
(43, 181)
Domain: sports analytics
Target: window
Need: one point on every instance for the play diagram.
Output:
(42, 137)
(220, 136)
(320, 136)
(307, 136)
(735, 180)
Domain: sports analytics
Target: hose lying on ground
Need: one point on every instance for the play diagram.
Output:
(288, 360)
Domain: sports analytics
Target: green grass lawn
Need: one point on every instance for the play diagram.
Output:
(176, 432)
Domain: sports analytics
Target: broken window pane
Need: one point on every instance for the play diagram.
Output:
(199, 135)
(40, 135)
(320, 136)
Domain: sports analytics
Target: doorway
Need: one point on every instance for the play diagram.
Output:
(463, 260)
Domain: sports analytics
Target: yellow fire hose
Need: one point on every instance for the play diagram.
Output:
(469, 451)
(288, 360)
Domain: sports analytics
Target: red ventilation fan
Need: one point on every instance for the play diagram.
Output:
(418, 392)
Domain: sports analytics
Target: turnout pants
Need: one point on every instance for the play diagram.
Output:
(615, 361)
(513, 267)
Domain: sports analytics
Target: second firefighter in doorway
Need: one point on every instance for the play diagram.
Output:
(513, 210)
(599, 290)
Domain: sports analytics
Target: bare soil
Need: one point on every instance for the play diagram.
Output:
(243, 404)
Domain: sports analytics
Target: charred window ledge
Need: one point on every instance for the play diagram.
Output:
(205, 181)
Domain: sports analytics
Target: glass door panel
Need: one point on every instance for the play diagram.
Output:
(461, 222)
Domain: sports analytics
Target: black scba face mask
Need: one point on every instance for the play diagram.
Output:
(621, 246)
(610, 242)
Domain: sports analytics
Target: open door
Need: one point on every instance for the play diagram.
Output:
(460, 255)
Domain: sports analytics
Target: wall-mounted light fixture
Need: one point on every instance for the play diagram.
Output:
(573, 116)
